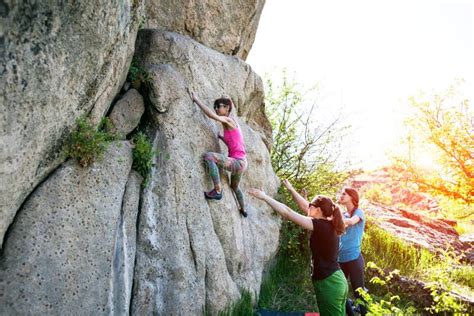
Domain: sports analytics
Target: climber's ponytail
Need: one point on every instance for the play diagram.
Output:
(337, 220)
(330, 210)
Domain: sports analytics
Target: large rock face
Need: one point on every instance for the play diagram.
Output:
(71, 250)
(194, 254)
(72, 247)
(59, 60)
(228, 26)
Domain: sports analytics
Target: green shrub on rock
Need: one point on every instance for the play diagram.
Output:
(143, 156)
(88, 143)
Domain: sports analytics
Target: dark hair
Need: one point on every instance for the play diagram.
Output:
(329, 209)
(223, 100)
(354, 197)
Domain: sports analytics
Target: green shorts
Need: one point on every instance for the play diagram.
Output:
(331, 294)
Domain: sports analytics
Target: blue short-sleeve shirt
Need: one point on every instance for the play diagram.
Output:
(349, 247)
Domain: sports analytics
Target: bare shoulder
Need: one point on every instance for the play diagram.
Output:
(229, 122)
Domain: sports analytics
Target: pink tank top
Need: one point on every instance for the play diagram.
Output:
(235, 142)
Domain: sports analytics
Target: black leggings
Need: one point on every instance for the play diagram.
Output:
(354, 271)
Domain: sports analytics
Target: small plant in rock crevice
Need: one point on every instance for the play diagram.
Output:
(143, 155)
(137, 75)
(87, 142)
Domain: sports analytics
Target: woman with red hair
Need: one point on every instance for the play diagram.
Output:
(350, 256)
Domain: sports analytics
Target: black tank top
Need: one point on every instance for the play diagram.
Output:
(324, 243)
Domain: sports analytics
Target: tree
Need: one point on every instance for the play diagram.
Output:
(305, 147)
(442, 126)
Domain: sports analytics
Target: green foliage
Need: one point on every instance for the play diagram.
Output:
(378, 305)
(143, 155)
(137, 75)
(306, 156)
(288, 286)
(143, 22)
(388, 303)
(304, 149)
(301, 154)
(458, 209)
(440, 128)
(88, 143)
(442, 277)
(242, 307)
(443, 271)
(443, 301)
(392, 253)
(378, 193)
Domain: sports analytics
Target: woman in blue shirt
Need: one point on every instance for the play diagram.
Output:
(350, 257)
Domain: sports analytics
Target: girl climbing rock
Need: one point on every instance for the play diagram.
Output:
(236, 161)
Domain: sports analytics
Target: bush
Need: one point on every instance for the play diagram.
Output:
(305, 152)
(390, 252)
(240, 308)
(137, 75)
(288, 286)
(143, 156)
(442, 270)
(88, 143)
(388, 303)
(378, 193)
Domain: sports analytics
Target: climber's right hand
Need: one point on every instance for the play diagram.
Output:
(194, 96)
(259, 194)
(287, 184)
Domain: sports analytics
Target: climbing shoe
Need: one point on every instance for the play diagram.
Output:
(213, 195)
(243, 212)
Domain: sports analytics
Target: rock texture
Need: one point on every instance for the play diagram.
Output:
(127, 112)
(194, 254)
(228, 26)
(417, 229)
(58, 61)
(71, 248)
(80, 240)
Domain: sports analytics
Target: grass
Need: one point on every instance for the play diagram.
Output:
(390, 252)
(87, 142)
(288, 287)
(243, 307)
(442, 270)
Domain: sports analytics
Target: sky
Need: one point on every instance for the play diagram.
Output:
(369, 56)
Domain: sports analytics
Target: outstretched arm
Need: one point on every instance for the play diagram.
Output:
(302, 203)
(283, 210)
(351, 221)
(209, 112)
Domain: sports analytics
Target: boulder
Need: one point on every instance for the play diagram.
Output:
(227, 26)
(59, 60)
(194, 254)
(71, 248)
(127, 112)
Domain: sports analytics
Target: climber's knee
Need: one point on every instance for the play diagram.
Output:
(235, 188)
(209, 156)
